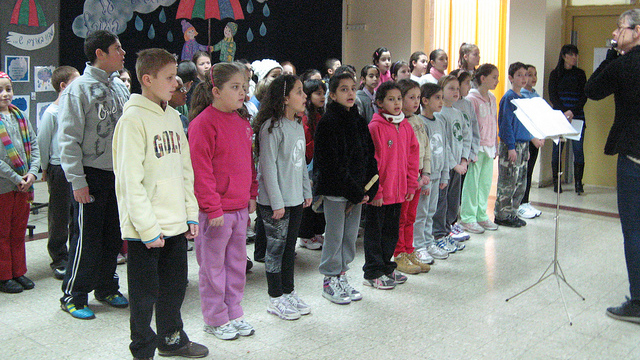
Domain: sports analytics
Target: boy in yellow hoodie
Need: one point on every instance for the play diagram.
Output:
(157, 208)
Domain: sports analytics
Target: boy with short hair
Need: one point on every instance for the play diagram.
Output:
(157, 206)
(513, 151)
(60, 211)
(89, 110)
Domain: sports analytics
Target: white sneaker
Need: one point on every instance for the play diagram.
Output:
(525, 212)
(455, 243)
(488, 225)
(424, 256)
(333, 291)
(444, 243)
(297, 303)
(224, 332)
(243, 327)
(281, 307)
(457, 232)
(536, 211)
(311, 244)
(436, 252)
(354, 294)
(473, 228)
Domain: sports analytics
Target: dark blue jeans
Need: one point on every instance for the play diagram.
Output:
(578, 150)
(629, 209)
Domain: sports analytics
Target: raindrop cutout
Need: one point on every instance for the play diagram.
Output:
(263, 30)
(265, 10)
(249, 35)
(162, 17)
(139, 23)
(170, 36)
(152, 32)
(250, 7)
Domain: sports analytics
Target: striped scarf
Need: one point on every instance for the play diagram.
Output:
(20, 166)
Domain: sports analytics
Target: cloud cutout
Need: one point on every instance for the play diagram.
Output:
(112, 15)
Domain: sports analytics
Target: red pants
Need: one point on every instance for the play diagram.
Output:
(407, 218)
(14, 215)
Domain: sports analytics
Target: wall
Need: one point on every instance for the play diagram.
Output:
(554, 40)
(528, 22)
(388, 24)
(46, 56)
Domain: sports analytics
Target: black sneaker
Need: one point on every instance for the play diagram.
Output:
(59, 273)
(249, 264)
(628, 311)
(521, 222)
(509, 222)
(191, 350)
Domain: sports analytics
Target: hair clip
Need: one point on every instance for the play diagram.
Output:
(213, 84)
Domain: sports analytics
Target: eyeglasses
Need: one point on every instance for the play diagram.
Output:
(622, 27)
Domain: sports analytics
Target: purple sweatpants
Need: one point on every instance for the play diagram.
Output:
(222, 256)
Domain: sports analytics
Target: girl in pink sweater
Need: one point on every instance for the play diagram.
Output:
(226, 188)
(397, 153)
(382, 59)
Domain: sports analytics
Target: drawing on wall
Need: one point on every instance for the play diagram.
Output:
(227, 46)
(22, 103)
(28, 12)
(210, 9)
(265, 11)
(42, 78)
(191, 45)
(113, 15)
(17, 67)
(40, 109)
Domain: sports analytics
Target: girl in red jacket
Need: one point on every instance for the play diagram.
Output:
(312, 226)
(397, 154)
(226, 188)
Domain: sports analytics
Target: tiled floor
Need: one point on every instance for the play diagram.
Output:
(457, 311)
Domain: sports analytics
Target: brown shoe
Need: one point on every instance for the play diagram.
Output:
(413, 257)
(405, 265)
(191, 350)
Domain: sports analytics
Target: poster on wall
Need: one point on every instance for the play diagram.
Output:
(17, 67)
(22, 103)
(42, 78)
(40, 109)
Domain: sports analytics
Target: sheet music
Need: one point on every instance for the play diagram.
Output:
(541, 120)
(578, 125)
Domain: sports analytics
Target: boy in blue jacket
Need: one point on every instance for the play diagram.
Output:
(513, 152)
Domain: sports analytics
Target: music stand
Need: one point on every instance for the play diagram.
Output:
(555, 264)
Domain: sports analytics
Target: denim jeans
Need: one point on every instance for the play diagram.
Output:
(629, 209)
(578, 150)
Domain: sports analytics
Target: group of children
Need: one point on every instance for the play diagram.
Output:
(402, 143)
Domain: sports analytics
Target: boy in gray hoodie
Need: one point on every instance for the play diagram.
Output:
(88, 112)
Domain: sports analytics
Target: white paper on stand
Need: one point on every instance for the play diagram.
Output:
(541, 120)
(578, 125)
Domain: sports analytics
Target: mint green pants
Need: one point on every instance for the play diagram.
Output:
(475, 190)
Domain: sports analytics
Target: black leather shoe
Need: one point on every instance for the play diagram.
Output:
(191, 350)
(59, 273)
(25, 282)
(10, 286)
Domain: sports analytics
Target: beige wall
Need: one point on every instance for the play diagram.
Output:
(388, 24)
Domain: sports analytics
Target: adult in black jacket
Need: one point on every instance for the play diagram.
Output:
(566, 92)
(343, 163)
(619, 74)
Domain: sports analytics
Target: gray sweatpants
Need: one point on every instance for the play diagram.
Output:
(341, 232)
(422, 228)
